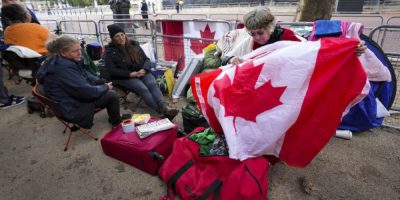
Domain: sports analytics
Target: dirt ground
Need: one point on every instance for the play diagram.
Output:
(34, 166)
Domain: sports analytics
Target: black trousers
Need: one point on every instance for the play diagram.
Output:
(110, 101)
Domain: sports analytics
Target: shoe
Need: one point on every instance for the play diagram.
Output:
(12, 102)
(114, 123)
(17, 97)
(170, 113)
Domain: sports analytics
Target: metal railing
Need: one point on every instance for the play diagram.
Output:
(80, 28)
(388, 37)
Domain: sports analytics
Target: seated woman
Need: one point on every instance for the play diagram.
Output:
(262, 29)
(129, 67)
(21, 31)
(5, 23)
(261, 26)
(77, 92)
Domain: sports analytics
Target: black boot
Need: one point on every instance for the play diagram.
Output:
(168, 112)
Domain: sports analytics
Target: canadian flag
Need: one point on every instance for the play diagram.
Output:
(179, 37)
(286, 100)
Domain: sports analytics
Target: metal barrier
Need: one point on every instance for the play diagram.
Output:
(394, 58)
(239, 17)
(284, 17)
(369, 21)
(395, 20)
(176, 38)
(116, 16)
(141, 30)
(231, 16)
(152, 16)
(388, 37)
(52, 25)
(81, 28)
(188, 16)
(302, 29)
(136, 16)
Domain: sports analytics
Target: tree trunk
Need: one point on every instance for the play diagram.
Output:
(310, 10)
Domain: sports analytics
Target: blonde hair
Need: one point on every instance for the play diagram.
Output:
(260, 18)
(61, 44)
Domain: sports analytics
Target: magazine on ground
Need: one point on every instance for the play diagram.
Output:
(148, 129)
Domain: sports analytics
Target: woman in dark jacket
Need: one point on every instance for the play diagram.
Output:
(129, 67)
(77, 92)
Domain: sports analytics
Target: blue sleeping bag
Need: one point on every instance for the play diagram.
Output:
(362, 116)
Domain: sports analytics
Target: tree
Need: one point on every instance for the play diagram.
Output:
(310, 10)
(102, 2)
(80, 3)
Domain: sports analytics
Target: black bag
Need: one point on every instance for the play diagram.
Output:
(94, 50)
(33, 105)
(104, 74)
(192, 118)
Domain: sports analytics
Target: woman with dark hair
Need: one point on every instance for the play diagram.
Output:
(4, 23)
(129, 67)
(78, 92)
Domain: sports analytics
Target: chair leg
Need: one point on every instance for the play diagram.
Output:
(81, 130)
(68, 139)
(133, 109)
(65, 129)
(87, 133)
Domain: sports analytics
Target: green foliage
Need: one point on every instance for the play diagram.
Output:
(80, 3)
(102, 2)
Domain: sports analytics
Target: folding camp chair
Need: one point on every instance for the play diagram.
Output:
(121, 91)
(54, 109)
(22, 68)
(123, 98)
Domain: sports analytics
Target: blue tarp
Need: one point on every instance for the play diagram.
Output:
(362, 116)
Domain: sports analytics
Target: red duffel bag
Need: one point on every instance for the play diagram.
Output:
(192, 176)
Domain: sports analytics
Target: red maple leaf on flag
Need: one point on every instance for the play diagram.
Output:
(197, 46)
(241, 99)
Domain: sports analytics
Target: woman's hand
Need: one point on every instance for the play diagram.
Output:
(235, 60)
(134, 74)
(361, 48)
(109, 85)
(142, 72)
(137, 74)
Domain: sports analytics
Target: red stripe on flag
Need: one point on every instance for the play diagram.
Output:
(173, 46)
(206, 79)
(338, 78)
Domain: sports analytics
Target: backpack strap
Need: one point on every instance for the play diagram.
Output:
(214, 188)
(174, 178)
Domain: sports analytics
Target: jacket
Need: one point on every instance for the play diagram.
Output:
(116, 65)
(66, 82)
(144, 7)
